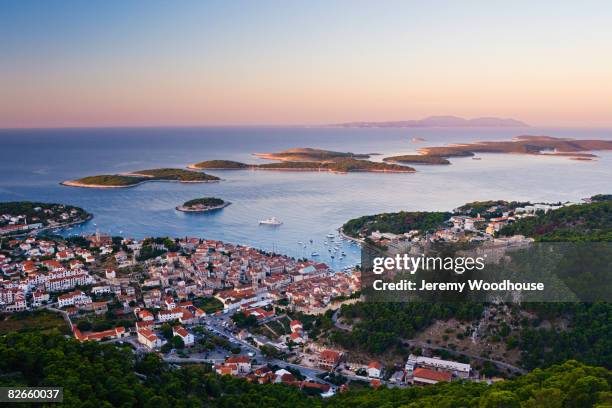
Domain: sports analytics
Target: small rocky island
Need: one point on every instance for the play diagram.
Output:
(138, 177)
(204, 204)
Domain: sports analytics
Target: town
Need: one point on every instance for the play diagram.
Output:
(246, 312)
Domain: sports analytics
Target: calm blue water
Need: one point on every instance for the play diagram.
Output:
(311, 205)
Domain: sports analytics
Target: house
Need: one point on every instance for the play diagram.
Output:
(116, 333)
(296, 325)
(328, 359)
(100, 290)
(187, 337)
(169, 303)
(64, 256)
(168, 315)
(39, 297)
(297, 338)
(149, 339)
(461, 370)
(146, 316)
(226, 369)
(375, 369)
(73, 298)
(426, 376)
(100, 308)
(242, 362)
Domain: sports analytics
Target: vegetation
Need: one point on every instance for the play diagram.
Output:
(290, 165)
(310, 154)
(42, 321)
(587, 338)
(208, 304)
(397, 223)
(601, 197)
(479, 207)
(111, 180)
(382, 326)
(41, 212)
(417, 159)
(220, 164)
(131, 179)
(343, 164)
(350, 164)
(244, 321)
(204, 202)
(584, 222)
(96, 375)
(176, 174)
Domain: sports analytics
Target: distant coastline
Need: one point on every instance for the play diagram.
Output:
(439, 121)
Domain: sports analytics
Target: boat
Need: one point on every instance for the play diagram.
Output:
(271, 221)
(330, 235)
(314, 254)
(476, 158)
(300, 243)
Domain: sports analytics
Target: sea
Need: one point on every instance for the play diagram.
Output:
(311, 205)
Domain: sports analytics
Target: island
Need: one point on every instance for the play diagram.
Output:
(204, 204)
(133, 179)
(526, 144)
(574, 149)
(23, 217)
(309, 159)
(218, 165)
(308, 154)
(416, 159)
(438, 121)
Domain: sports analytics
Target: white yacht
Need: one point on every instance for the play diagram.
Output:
(271, 221)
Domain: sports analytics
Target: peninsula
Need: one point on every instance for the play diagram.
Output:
(204, 204)
(22, 217)
(138, 177)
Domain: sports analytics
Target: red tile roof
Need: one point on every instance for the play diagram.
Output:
(432, 375)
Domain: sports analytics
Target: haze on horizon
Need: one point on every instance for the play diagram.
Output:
(156, 63)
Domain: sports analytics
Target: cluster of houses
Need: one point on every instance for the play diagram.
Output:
(51, 216)
(464, 226)
(419, 370)
(33, 270)
(241, 367)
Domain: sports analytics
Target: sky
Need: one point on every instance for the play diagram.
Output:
(190, 63)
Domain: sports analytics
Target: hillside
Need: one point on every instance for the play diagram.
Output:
(95, 375)
(396, 223)
(584, 222)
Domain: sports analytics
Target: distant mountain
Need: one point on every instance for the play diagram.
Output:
(439, 121)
